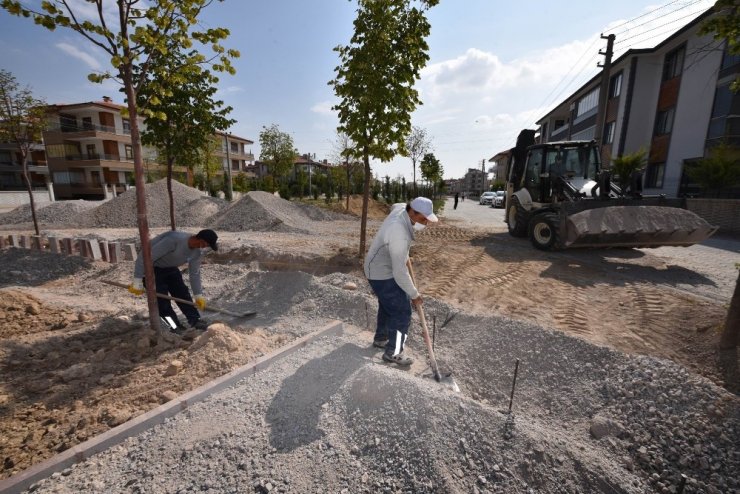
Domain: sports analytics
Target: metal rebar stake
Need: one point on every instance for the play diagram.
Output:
(513, 385)
(434, 329)
(682, 485)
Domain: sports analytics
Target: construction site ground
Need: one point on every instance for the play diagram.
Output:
(619, 338)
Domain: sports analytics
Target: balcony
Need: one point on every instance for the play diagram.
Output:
(57, 133)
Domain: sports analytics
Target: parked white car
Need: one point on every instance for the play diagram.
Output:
(486, 197)
(499, 199)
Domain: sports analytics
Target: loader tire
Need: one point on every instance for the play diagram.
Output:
(543, 231)
(516, 217)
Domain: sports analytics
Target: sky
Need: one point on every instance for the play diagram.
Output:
(495, 67)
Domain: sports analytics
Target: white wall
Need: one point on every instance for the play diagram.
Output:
(694, 108)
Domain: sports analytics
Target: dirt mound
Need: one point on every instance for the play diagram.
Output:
(23, 314)
(55, 213)
(375, 209)
(192, 208)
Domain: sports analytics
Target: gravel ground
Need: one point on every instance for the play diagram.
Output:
(333, 418)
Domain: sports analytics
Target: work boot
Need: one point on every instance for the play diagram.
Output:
(380, 343)
(179, 330)
(199, 324)
(399, 359)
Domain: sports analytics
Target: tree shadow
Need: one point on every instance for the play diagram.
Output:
(729, 367)
(294, 412)
(25, 267)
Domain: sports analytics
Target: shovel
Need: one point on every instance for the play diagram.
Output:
(447, 378)
(188, 302)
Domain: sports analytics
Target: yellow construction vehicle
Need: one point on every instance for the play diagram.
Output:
(558, 195)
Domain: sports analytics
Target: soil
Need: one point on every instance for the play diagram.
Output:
(78, 358)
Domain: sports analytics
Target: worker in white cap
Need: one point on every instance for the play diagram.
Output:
(387, 272)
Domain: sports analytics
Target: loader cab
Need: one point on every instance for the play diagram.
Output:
(574, 161)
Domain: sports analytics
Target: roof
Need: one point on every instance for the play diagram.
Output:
(630, 53)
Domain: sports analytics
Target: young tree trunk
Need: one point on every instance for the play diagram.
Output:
(27, 180)
(170, 164)
(731, 335)
(141, 219)
(365, 201)
(416, 192)
(348, 186)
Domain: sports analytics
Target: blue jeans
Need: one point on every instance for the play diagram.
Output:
(394, 314)
(169, 281)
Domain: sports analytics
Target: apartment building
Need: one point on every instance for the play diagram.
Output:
(474, 182)
(672, 100)
(11, 168)
(500, 166)
(235, 152)
(89, 152)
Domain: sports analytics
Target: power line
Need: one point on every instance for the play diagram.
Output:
(646, 13)
(657, 27)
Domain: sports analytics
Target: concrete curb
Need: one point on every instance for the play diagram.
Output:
(22, 481)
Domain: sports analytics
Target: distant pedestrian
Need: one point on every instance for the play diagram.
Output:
(386, 269)
(463, 196)
(457, 196)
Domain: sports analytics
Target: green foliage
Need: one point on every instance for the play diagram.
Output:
(623, 166)
(277, 151)
(378, 69)
(22, 120)
(718, 171)
(431, 168)
(725, 25)
(417, 145)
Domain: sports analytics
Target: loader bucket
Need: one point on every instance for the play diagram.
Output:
(635, 226)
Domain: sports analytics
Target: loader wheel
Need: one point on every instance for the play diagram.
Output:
(516, 217)
(543, 231)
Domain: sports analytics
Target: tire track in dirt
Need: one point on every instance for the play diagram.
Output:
(646, 314)
(568, 309)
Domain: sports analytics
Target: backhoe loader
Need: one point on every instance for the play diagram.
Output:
(558, 195)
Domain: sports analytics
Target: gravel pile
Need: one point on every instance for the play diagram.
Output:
(332, 417)
(262, 211)
(192, 208)
(55, 213)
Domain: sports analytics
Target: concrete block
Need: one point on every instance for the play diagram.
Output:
(68, 246)
(80, 246)
(54, 245)
(15, 240)
(93, 250)
(114, 252)
(3, 241)
(103, 245)
(25, 241)
(129, 252)
(37, 242)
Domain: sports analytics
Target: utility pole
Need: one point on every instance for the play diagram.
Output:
(483, 169)
(604, 88)
(310, 192)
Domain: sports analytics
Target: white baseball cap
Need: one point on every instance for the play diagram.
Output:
(423, 206)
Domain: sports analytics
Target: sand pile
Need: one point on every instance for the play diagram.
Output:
(375, 209)
(55, 213)
(262, 211)
(192, 208)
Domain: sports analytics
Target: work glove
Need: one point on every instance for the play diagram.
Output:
(137, 287)
(200, 302)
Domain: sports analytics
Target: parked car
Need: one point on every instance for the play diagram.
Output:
(486, 197)
(499, 199)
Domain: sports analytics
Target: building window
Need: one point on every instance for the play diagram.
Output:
(235, 164)
(615, 86)
(654, 175)
(609, 129)
(673, 64)
(87, 123)
(129, 151)
(91, 152)
(234, 147)
(588, 102)
(664, 122)
(729, 59)
(126, 126)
